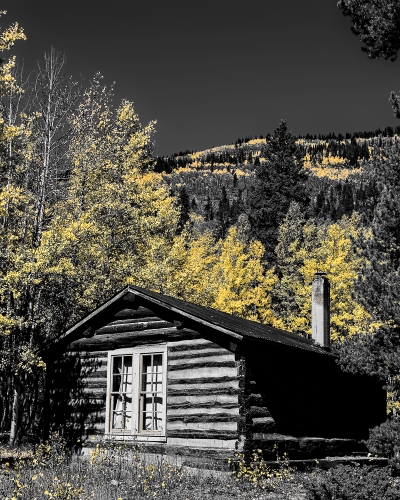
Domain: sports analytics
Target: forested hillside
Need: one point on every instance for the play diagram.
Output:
(337, 183)
(86, 208)
(315, 203)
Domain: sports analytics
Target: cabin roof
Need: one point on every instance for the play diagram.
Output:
(237, 328)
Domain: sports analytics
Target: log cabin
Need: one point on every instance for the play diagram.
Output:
(197, 383)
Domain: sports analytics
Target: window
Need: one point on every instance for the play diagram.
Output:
(136, 393)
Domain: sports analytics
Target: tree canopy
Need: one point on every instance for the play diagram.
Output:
(377, 24)
(280, 180)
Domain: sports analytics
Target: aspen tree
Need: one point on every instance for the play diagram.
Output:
(53, 97)
(12, 198)
(115, 213)
(190, 266)
(328, 248)
(242, 286)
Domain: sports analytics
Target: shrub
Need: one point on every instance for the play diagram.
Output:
(346, 482)
(384, 440)
(256, 471)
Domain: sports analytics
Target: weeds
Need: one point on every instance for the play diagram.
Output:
(117, 471)
(349, 482)
(256, 471)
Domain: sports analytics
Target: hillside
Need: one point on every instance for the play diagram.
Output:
(334, 163)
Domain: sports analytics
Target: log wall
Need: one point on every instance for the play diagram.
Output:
(202, 393)
(205, 383)
(259, 418)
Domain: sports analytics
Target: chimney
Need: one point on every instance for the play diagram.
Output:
(320, 310)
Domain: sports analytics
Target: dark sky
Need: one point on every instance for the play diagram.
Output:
(212, 71)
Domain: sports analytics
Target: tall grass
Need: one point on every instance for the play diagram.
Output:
(115, 471)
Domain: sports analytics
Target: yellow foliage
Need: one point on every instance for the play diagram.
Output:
(116, 219)
(227, 275)
(242, 287)
(326, 248)
(257, 472)
(333, 173)
(8, 37)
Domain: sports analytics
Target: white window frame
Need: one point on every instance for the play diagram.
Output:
(133, 433)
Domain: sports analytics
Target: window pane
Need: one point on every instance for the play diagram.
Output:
(117, 364)
(146, 373)
(158, 422)
(152, 403)
(157, 363)
(121, 400)
(158, 404)
(127, 374)
(117, 371)
(147, 422)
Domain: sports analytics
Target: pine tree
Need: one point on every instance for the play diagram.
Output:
(378, 286)
(223, 213)
(279, 181)
(208, 210)
(184, 207)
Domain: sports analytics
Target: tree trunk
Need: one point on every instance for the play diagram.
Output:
(15, 413)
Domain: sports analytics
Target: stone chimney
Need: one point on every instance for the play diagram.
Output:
(320, 310)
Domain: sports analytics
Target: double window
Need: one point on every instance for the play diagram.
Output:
(136, 392)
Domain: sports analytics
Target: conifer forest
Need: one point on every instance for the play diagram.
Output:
(86, 208)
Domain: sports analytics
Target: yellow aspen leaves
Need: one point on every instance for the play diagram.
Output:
(242, 286)
(328, 248)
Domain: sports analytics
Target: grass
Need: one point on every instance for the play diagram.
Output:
(115, 471)
(118, 472)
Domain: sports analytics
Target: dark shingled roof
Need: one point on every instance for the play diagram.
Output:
(231, 325)
(240, 326)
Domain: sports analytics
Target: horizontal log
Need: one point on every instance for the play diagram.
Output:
(234, 384)
(200, 448)
(140, 312)
(97, 374)
(87, 406)
(217, 399)
(126, 339)
(193, 447)
(192, 343)
(263, 424)
(202, 380)
(205, 391)
(202, 426)
(133, 327)
(203, 364)
(94, 392)
(90, 354)
(65, 379)
(218, 417)
(256, 400)
(198, 353)
(199, 434)
(194, 373)
(91, 417)
(141, 319)
(203, 410)
(95, 402)
(94, 383)
(199, 359)
(94, 362)
(259, 411)
(196, 406)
